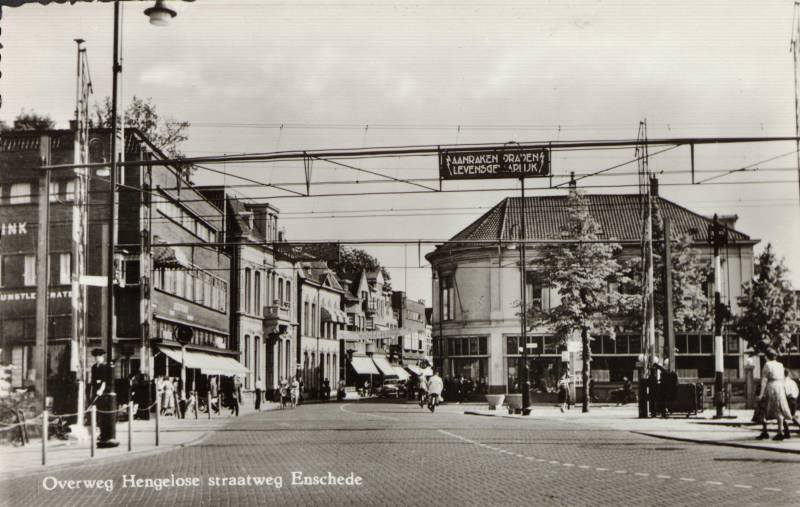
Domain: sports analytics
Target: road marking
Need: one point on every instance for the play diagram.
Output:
(641, 474)
(715, 483)
(619, 471)
(553, 462)
(541, 460)
(745, 486)
(343, 409)
(687, 479)
(663, 476)
(584, 466)
(772, 489)
(601, 469)
(520, 456)
(568, 465)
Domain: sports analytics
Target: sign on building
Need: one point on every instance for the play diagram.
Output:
(509, 162)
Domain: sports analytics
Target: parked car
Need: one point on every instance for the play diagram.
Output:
(392, 388)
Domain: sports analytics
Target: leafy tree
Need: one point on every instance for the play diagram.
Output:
(690, 306)
(32, 121)
(583, 273)
(165, 133)
(353, 260)
(768, 307)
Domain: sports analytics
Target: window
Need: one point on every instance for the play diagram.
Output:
(257, 289)
(280, 290)
(180, 282)
(314, 329)
(65, 268)
(20, 193)
(533, 290)
(53, 191)
(446, 293)
(288, 293)
(247, 295)
(12, 270)
(69, 195)
(30, 270)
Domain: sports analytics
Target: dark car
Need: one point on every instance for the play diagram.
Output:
(392, 388)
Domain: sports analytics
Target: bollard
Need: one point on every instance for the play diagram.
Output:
(208, 403)
(92, 428)
(158, 413)
(130, 427)
(44, 437)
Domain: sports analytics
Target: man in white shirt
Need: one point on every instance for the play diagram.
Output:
(435, 388)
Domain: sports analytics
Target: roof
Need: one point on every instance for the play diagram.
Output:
(617, 214)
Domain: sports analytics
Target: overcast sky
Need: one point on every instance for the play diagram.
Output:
(355, 74)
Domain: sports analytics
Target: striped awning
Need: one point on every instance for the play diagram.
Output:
(209, 364)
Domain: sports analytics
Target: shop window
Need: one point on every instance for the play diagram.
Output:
(12, 270)
(694, 343)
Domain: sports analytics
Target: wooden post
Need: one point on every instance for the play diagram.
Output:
(92, 428)
(130, 426)
(208, 403)
(158, 414)
(44, 436)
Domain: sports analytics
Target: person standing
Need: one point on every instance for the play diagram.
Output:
(773, 389)
(231, 394)
(563, 391)
(295, 392)
(259, 389)
(214, 395)
(284, 392)
(792, 393)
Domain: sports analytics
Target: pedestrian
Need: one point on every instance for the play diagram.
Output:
(435, 388)
(168, 397)
(294, 392)
(563, 391)
(214, 388)
(773, 389)
(792, 393)
(259, 389)
(284, 392)
(230, 391)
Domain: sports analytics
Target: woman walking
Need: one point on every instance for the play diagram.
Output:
(774, 391)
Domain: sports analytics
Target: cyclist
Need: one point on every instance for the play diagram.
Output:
(423, 391)
(435, 387)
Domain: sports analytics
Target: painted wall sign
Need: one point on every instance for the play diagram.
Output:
(23, 296)
(14, 229)
(494, 163)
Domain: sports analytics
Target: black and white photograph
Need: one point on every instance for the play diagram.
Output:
(365, 252)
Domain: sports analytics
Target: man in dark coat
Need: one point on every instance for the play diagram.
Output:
(100, 374)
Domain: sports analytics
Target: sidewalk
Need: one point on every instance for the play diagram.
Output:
(737, 431)
(173, 433)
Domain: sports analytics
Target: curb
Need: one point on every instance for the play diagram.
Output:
(55, 467)
(718, 442)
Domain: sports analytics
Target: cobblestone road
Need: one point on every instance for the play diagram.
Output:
(407, 456)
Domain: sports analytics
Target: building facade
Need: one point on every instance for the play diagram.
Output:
(476, 289)
(157, 287)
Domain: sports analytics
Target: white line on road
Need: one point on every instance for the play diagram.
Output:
(688, 479)
(744, 486)
(715, 483)
(772, 489)
(343, 409)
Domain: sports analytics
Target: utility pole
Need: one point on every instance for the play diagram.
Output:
(669, 328)
(42, 271)
(525, 381)
(108, 401)
(718, 236)
(796, 60)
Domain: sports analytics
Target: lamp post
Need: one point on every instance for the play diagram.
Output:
(159, 14)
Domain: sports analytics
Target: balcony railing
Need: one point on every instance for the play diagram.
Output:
(278, 311)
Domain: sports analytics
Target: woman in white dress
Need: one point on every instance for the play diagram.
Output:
(773, 389)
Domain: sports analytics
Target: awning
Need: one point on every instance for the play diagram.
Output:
(413, 368)
(168, 257)
(327, 317)
(364, 366)
(209, 364)
(383, 365)
(401, 373)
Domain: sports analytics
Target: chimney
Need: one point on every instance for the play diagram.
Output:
(572, 183)
(728, 221)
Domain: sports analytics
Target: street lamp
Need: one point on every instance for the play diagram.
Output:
(523, 374)
(108, 402)
(160, 14)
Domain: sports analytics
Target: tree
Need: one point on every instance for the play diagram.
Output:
(691, 308)
(32, 121)
(354, 260)
(768, 307)
(167, 134)
(583, 273)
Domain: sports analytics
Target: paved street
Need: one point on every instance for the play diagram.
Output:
(407, 456)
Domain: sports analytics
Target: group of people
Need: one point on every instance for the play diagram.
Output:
(777, 399)
(457, 389)
(288, 393)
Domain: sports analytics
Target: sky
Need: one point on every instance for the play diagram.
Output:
(263, 76)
